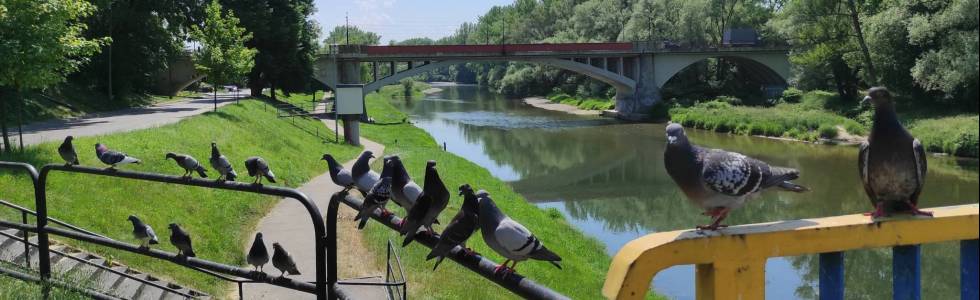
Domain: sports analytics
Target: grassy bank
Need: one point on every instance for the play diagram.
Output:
(219, 222)
(955, 135)
(586, 103)
(585, 262)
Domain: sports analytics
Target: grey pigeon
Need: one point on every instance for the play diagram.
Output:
(144, 233)
(717, 180)
(67, 152)
(189, 164)
(364, 177)
(892, 162)
(221, 164)
(375, 199)
(460, 228)
(403, 190)
(338, 174)
(258, 255)
(180, 239)
(258, 168)
(283, 261)
(434, 199)
(113, 158)
(508, 238)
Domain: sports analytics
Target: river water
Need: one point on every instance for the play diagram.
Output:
(608, 179)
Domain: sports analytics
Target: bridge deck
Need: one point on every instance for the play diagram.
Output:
(368, 52)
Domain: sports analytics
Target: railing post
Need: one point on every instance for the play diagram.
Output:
(27, 244)
(968, 270)
(41, 205)
(832, 276)
(907, 272)
(745, 279)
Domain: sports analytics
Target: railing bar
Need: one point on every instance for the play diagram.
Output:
(56, 221)
(58, 283)
(27, 248)
(968, 270)
(831, 276)
(27, 244)
(907, 272)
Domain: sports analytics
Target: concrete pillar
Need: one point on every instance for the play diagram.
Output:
(605, 63)
(636, 104)
(392, 68)
(619, 66)
(374, 71)
(350, 72)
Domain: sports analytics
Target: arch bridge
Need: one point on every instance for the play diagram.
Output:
(636, 70)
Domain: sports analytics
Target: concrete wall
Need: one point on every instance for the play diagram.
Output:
(180, 74)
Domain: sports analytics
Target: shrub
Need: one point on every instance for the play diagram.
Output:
(827, 131)
(818, 100)
(956, 135)
(792, 95)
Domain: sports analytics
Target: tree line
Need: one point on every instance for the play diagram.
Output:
(926, 50)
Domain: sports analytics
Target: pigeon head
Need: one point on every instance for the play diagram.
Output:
(171, 155)
(878, 96)
(430, 164)
(133, 219)
(465, 189)
(258, 235)
(100, 148)
(69, 138)
(482, 193)
(173, 226)
(277, 246)
(675, 135)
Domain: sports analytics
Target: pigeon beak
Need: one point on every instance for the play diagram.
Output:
(671, 139)
(866, 100)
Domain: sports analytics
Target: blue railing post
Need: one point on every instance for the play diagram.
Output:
(907, 272)
(832, 276)
(968, 270)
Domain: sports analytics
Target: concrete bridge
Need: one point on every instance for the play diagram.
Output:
(636, 70)
(180, 74)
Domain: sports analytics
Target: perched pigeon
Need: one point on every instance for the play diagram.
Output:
(221, 164)
(144, 233)
(460, 228)
(180, 239)
(113, 158)
(508, 238)
(282, 261)
(375, 199)
(892, 163)
(258, 255)
(434, 199)
(67, 151)
(717, 180)
(338, 174)
(189, 164)
(364, 177)
(403, 190)
(258, 168)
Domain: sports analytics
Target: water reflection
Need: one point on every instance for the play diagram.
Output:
(608, 178)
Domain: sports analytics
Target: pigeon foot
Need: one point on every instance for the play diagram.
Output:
(710, 227)
(385, 214)
(879, 211)
(468, 251)
(916, 212)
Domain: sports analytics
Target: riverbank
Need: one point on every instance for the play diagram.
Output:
(219, 221)
(584, 258)
(544, 103)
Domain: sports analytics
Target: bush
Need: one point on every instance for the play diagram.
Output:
(818, 100)
(827, 131)
(792, 95)
(956, 135)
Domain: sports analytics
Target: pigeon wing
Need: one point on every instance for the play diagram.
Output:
(152, 235)
(731, 173)
(515, 238)
(921, 168)
(863, 158)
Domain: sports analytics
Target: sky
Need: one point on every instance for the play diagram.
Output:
(402, 19)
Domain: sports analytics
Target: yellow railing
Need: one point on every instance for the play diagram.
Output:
(730, 263)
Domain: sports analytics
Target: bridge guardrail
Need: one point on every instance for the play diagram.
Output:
(730, 263)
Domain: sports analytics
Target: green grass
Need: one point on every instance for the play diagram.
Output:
(220, 222)
(582, 103)
(784, 120)
(301, 100)
(15, 289)
(955, 135)
(585, 260)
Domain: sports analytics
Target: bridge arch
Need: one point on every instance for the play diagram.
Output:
(618, 81)
(764, 67)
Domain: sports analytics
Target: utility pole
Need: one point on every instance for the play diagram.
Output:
(347, 28)
(109, 53)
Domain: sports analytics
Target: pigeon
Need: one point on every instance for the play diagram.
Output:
(892, 163)
(258, 168)
(717, 180)
(144, 233)
(221, 164)
(67, 152)
(189, 164)
(282, 261)
(113, 158)
(364, 177)
(180, 239)
(460, 228)
(434, 199)
(508, 238)
(404, 191)
(375, 199)
(338, 174)
(258, 255)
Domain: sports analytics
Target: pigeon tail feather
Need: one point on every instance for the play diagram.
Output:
(154, 242)
(231, 175)
(201, 171)
(792, 187)
(781, 174)
(190, 253)
(545, 254)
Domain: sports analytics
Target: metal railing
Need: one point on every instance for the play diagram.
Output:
(394, 280)
(730, 263)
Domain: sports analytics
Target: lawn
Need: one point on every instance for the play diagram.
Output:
(582, 103)
(220, 222)
(585, 260)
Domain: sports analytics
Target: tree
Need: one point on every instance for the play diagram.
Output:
(42, 43)
(223, 55)
(339, 36)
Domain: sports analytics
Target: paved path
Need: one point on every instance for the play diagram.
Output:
(289, 224)
(121, 120)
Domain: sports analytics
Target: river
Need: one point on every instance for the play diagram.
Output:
(608, 179)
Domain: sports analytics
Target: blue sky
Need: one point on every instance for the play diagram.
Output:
(403, 19)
